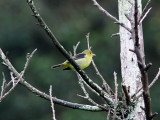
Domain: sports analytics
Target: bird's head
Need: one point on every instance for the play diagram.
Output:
(89, 52)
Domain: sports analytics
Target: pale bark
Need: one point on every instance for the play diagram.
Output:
(131, 76)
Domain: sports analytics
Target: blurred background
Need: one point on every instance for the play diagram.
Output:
(70, 21)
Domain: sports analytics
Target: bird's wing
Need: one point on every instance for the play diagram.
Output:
(79, 56)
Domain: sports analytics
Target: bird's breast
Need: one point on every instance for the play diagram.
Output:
(83, 63)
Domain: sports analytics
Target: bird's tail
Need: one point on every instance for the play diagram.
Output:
(55, 66)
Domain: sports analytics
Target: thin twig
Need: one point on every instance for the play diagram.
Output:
(74, 51)
(144, 16)
(116, 34)
(87, 94)
(87, 36)
(13, 78)
(75, 48)
(110, 110)
(29, 56)
(70, 53)
(52, 104)
(146, 6)
(9, 83)
(116, 94)
(3, 86)
(13, 87)
(153, 115)
(145, 12)
(155, 79)
(116, 87)
(148, 66)
(110, 16)
(106, 86)
(137, 94)
(108, 115)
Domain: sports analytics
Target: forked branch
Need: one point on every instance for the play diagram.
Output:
(104, 83)
(42, 94)
(110, 16)
(141, 63)
(14, 80)
(52, 104)
(85, 77)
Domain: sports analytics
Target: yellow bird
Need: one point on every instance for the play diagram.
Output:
(82, 59)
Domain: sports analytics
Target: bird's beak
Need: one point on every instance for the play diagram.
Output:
(93, 54)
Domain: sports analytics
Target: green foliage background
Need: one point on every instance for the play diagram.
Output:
(70, 20)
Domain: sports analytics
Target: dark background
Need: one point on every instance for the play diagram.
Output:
(70, 21)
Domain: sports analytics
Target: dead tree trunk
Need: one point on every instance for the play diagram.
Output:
(131, 76)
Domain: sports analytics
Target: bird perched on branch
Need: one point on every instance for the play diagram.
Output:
(82, 59)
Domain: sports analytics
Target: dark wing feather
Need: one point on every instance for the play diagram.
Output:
(67, 68)
(79, 56)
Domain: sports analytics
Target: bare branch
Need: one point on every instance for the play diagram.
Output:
(75, 48)
(145, 12)
(110, 110)
(12, 78)
(13, 87)
(116, 34)
(146, 6)
(91, 88)
(144, 16)
(74, 51)
(148, 66)
(44, 95)
(87, 36)
(153, 115)
(130, 20)
(9, 83)
(70, 53)
(116, 87)
(85, 77)
(108, 115)
(127, 96)
(60, 101)
(105, 85)
(110, 16)
(52, 104)
(15, 83)
(104, 11)
(116, 94)
(139, 93)
(141, 63)
(155, 79)
(87, 95)
(3, 86)
(29, 56)
(136, 24)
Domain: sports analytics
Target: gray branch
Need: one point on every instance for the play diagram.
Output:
(44, 95)
(85, 77)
